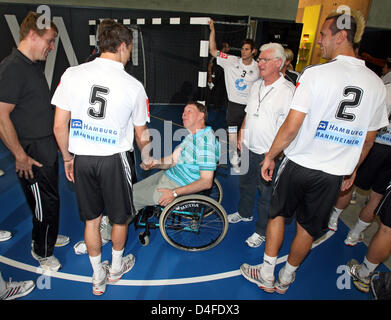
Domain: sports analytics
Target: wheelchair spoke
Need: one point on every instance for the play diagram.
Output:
(192, 233)
(194, 223)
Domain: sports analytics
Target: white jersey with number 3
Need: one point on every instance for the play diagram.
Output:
(105, 103)
(238, 77)
(343, 100)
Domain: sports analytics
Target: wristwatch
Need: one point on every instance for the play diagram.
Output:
(174, 193)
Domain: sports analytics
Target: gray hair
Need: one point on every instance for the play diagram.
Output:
(278, 49)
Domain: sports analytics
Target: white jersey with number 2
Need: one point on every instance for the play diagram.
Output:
(343, 100)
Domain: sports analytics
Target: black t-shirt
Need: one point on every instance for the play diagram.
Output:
(291, 76)
(23, 83)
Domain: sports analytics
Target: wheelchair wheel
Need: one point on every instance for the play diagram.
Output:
(184, 225)
(216, 193)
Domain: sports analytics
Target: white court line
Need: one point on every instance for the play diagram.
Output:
(163, 282)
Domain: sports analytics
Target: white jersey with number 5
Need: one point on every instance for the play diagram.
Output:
(343, 100)
(105, 103)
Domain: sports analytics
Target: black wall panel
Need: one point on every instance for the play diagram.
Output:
(171, 51)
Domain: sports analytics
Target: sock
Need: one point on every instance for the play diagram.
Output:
(116, 263)
(269, 263)
(359, 227)
(234, 157)
(335, 213)
(366, 268)
(97, 266)
(3, 286)
(288, 272)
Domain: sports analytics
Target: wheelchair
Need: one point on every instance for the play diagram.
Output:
(196, 222)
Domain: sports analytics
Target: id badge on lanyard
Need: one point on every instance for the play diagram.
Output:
(256, 114)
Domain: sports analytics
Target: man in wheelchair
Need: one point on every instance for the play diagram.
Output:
(188, 170)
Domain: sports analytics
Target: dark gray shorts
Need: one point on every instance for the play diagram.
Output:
(235, 116)
(309, 194)
(375, 172)
(104, 183)
(383, 210)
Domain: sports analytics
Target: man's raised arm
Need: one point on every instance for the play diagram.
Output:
(212, 39)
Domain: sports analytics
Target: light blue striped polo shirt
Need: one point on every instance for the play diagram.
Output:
(200, 151)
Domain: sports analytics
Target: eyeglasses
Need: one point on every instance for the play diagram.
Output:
(264, 60)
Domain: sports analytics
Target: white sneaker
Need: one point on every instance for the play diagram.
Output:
(62, 240)
(254, 275)
(1, 173)
(352, 239)
(235, 161)
(361, 283)
(236, 217)
(333, 224)
(49, 263)
(5, 235)
(99, 285)
(236, 168)
(18, 289)
(81, 248)
(282, 286)
(127, 265)
(255, 240)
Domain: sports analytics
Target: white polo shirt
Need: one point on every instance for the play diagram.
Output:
(386, 78)
(105, 103)
(342, 99)
(384, 134)
(238, 77)
(266, 110)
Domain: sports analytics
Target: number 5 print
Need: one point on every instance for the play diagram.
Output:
(96, 97)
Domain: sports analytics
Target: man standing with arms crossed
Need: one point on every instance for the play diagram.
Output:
(26, 128)
(105, 106)
(335, 113)
(239, 75)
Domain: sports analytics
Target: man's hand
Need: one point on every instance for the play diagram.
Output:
(166, 198)
(148, 164)
(267, 168)
(211, 25)
(24, 166)
(68, 167)
(240, 140)
(348, 181)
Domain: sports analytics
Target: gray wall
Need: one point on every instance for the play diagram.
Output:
(379, 14)
(273, 9)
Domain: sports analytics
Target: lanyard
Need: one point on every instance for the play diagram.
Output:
(260, 100)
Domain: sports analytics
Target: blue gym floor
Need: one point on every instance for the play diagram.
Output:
(162, 272)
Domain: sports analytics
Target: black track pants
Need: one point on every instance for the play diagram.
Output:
(42, 194)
